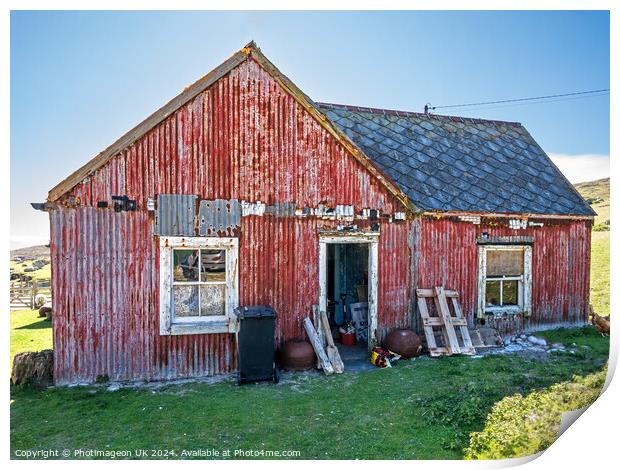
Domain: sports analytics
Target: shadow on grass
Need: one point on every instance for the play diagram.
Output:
(37, 325)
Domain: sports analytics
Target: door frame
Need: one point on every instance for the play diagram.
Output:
(372, 240)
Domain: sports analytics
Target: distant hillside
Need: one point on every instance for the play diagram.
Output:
(31, 252)
(30, 264)
(593, 189)
(596, 193)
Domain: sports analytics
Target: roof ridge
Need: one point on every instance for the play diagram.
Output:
(395, 112)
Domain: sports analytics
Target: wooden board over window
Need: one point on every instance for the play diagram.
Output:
(504, 263)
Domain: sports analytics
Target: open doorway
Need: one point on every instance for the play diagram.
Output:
(347, 298)
(348, 292)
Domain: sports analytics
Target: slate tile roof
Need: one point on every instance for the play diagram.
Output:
(446, 163)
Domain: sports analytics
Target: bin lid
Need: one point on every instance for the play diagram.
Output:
(255, 311)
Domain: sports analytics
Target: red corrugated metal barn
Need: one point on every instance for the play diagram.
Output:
(243, 191)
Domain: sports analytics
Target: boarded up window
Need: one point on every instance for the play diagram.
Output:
(504, 263)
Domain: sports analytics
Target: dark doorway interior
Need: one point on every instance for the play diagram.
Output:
(347, 290)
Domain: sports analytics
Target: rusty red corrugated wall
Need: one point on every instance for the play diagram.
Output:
(447, 255)
(243, 138)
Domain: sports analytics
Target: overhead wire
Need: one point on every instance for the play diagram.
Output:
(530, 100)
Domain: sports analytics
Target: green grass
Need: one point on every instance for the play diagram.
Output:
(29, 332)
(519, 426)
(421, 409)
(602, 217)
(599, 277)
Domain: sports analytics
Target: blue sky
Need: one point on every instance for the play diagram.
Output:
(81, 79)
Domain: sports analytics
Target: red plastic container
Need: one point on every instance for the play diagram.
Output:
(347, 339)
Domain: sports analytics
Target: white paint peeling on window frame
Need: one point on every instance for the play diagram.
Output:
(218, 324)
(526, 293)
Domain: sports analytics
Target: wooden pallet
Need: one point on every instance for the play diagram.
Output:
(452, 327)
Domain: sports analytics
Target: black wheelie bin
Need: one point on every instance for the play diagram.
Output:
(255, 343)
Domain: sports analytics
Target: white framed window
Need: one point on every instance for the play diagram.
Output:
(198, 285)
(504, 279)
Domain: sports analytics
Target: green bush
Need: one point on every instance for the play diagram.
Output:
(600, 228)
(461, 408)
(523, 425)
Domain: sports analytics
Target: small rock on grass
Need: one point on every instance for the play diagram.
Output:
(44, 310)
(536, 340)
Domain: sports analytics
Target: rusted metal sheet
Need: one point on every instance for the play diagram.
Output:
(447, 255)
(176, 215)
(278, 262)
(395, 278)
(284, 209)
(243, 139)
(218, 217)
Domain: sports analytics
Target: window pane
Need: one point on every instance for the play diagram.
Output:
(185, 265)
(185, 300)
(492, 294)
(504, 263)
(511, 292)
(212, 299)
(213, 266)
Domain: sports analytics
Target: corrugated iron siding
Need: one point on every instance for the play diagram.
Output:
(106, 320)
(447, 254)
(394, 278)
(105, 278)
(245, 139)
(176, 214)
(278, 260)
